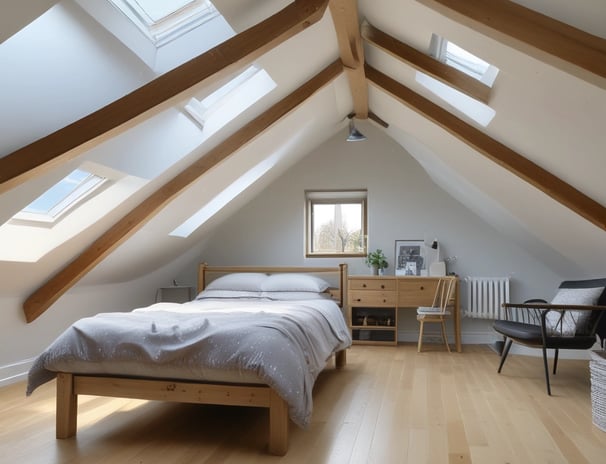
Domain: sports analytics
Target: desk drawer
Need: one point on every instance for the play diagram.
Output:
(416, 292)
(372, 298)
(372, 284)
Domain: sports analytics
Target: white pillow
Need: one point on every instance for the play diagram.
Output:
(292, 296)
(228, 294)
(242, 281)
(293, 282)
(577, 296)
(572, 319)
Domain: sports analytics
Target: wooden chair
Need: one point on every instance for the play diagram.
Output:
(438, 311)
(571, 321)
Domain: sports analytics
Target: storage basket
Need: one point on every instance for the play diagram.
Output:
(597, 367)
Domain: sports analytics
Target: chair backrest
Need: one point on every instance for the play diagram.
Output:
(444, 292)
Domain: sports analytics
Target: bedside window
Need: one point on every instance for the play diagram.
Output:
(335, 223)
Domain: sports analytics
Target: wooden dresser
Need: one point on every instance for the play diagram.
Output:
(374, 302)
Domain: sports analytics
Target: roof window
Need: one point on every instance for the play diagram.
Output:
(227, 102)
(165, 20)
(61, 197)
(458, 58)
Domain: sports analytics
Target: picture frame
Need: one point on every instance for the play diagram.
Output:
(410, 258)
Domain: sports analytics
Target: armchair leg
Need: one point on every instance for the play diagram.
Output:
(546, 370)
(555, 360)
(504, 354)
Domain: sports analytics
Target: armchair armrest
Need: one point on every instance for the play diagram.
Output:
(536, 313)
(550, 306)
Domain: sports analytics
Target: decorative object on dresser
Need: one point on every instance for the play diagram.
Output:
(374, 302)
(377, 261)
(410, 257)
(438, 311)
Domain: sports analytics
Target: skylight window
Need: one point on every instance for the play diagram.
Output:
(474, 109)
(227, 102)
(165, 20)
(61, 197)
(458, 58)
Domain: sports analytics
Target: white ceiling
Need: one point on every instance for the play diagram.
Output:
(62, 65)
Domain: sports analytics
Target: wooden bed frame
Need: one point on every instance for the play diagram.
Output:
(69, 386)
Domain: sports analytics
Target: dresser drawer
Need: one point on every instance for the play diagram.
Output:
(372, 298)
(415, 292)
(372, 284)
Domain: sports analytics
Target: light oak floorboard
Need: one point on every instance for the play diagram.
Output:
(388, 405)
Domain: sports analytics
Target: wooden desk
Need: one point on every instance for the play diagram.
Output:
(374, 302)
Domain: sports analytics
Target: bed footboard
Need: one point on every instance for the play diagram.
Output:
(69, 386)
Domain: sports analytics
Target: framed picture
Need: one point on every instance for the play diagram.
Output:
(410, 258)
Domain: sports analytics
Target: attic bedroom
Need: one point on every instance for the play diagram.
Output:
(143, 138)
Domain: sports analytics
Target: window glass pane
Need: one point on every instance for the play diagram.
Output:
(55, 195)
(337, 226)
(465, 61)
(61, 196)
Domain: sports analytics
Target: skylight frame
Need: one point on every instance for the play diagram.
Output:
(229, 101)
(457, 57)
(59, 205)
(160, 30)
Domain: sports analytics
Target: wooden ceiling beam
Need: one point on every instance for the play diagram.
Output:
(570, 49)
(41, 299)
(493, 150)
(159, 94)
(426, 64)
(347, 26)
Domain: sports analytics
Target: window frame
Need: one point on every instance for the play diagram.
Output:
(63, 205)
(353, 196)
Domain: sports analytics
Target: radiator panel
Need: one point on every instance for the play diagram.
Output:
(485, 296)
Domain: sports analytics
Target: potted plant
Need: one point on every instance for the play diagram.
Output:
(377, 261)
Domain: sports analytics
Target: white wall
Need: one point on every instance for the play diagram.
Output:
(21, 342)
(403, 202)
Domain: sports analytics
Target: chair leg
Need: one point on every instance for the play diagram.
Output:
(555, 360)
(420, 344)
(504, 354)
(546, 370)
(444, 335)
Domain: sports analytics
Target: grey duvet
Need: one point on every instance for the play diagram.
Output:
(282, 344)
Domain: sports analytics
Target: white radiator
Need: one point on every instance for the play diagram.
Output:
(485, 295)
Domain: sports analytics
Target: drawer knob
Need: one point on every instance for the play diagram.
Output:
(422, 288)
(364, 285)
(382, 286)
(384, 300)
(358, 299)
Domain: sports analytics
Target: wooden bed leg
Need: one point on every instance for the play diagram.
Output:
(278, 425)
(340, 359)
(67, 406)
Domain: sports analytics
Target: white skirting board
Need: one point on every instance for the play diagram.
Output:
(16, 372)
(487, 338)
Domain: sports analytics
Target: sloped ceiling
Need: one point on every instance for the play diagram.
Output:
(548, 115)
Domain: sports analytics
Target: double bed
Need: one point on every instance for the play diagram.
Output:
(252, 337)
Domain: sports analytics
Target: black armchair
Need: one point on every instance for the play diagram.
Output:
(571, 321)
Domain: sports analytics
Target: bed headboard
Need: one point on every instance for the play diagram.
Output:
(338, 292)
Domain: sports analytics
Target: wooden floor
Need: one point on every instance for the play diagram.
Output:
(389, 405)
